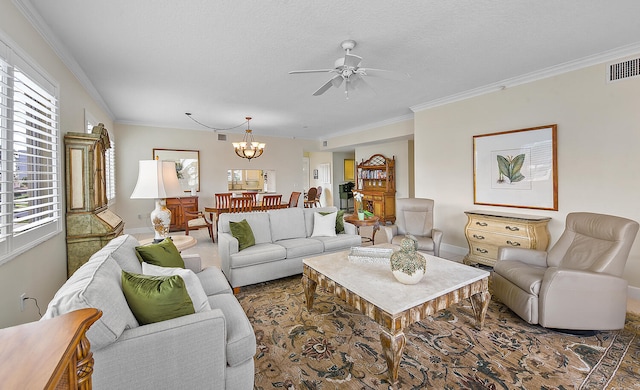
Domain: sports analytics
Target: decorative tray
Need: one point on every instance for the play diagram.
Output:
(370, 255)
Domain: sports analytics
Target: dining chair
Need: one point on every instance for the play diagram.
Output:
(293, 199)
(312, 194)
(253, 196)
(195, 220)
(241, 205)
(223, 199)
(271, 202)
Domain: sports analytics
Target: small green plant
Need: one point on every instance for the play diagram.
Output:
(510, 167)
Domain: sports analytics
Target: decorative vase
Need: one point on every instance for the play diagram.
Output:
(361, 215)
(407, 265)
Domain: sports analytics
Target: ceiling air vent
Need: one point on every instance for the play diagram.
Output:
(325, 143)
(222, 137)
(624, 70)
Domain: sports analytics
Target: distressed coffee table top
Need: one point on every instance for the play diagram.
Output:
(376, 284)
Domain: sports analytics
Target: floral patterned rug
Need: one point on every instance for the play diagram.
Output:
(336, 347)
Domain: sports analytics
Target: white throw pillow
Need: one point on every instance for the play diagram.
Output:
(324, 225)
(194, 287)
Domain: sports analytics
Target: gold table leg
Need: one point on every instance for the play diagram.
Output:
(392, 346)
(480, 303)
(309, 290)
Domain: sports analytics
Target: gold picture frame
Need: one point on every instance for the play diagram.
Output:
(349, 169)
(517, 168)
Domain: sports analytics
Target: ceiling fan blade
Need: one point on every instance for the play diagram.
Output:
(337, 81)
(312, 71)
(385, 74)
(359, 84)
(352, 60)
(326, 86)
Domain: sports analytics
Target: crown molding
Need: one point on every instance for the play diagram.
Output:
(556, 70)
(61, 51)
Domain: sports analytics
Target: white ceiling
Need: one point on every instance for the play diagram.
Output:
(153, 60)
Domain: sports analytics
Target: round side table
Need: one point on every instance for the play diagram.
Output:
(369, 221)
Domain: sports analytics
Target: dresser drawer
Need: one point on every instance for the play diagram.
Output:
(484, 250)
(499, 226)
(490, 238)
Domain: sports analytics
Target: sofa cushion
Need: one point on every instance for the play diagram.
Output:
(242, 232)
(258, 254)
(308, 216)
(156, 298)
(96, 284)
(123, 251)
(163, 254)
(339, 242)
(339, 220)
(194, 288)
(324, 225)
(299, 247)
(259, 222)
(241, 341)
(287, 223)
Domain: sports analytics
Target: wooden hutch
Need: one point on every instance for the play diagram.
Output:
(178, 206)
(90, 223)
(377, 182)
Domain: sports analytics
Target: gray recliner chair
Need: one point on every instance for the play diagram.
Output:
(415, 216)
(577, 284)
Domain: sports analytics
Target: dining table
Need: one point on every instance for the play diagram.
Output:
(222, 210)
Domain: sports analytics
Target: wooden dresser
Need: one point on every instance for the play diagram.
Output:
(177, 206)
(49, 354)
(486, 231)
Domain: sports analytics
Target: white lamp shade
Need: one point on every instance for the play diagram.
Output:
(157, 180)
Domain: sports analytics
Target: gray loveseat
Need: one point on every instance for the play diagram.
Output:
(212, 349)
(283, 238)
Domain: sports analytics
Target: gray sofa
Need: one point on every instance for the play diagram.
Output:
(283, 238)
(212, 349)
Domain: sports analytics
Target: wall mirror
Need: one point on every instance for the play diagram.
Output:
(187, 166)
(258, 180)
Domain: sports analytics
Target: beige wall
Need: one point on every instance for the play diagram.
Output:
(598, 138)
(41, 271)
(216, 157)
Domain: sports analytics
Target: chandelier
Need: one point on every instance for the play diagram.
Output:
(248, 148)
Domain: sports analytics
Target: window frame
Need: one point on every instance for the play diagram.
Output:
(13, 243)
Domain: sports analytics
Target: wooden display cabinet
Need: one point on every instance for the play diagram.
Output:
(177, 206)
(377, 182)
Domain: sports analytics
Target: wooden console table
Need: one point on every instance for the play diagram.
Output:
(50, 354)
(486, 231)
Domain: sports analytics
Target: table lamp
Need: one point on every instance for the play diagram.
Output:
(158, 180)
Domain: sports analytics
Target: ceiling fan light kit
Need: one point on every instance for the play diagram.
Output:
(248, 148)
(347, 69)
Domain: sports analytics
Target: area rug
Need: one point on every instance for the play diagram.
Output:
(336, 347)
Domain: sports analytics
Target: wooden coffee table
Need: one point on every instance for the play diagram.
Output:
(372, 289)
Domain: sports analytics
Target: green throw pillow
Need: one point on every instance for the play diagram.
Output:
(156, 298)
(339, 220)
(243, 233)
(163, 254)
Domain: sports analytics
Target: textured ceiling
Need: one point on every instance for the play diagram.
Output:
(152, 61)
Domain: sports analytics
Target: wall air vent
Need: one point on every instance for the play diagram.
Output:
(624, 70)
(325, 143)
(222, 137)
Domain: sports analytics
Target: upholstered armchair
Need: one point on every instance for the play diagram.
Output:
(577, 284)
(415, 216)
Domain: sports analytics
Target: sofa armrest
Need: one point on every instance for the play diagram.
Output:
(189, 340)
(527, 256)
(350, 228)
(227, 245)
(192, 262)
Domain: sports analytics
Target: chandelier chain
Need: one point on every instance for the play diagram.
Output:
(214, 128)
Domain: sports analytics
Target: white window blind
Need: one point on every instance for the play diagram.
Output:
(29, 156)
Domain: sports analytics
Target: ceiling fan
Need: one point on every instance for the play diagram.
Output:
(347, 69)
